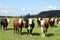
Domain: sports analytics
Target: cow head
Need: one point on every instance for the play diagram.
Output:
(23, 21)
(29, 23)
(58, 20)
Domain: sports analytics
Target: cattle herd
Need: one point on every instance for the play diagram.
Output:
(18, 24)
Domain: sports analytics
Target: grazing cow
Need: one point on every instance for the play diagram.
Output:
(18, 24)
(38, 20)
(58, 20)
(51, 22)
(44, 24)
(29, 25)
(4, 23)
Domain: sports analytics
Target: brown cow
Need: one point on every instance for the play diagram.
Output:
(58, 20)
(18, 24)
(44, 24)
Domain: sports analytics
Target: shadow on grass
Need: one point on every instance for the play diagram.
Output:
(51, 34)
(23, 33)
(10, 29)
(33, 34)
(54, 26)
(36, 34)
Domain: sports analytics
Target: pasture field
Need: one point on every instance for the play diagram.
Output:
(53, 33)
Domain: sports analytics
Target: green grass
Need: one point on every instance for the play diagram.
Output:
(53, 33)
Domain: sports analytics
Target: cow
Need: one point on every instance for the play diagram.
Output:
(44, 24)
(18, 25)
(4, 23)
(52, 21)
(8, 20)
(38, 20)
(30, 25)
(0, 24)
(58, 20)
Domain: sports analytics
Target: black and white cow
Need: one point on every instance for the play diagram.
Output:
(38, 20)
(29, 25)
(51, 22)
(4, 23)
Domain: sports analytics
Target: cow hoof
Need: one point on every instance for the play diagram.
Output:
(30, 35)
(43, 35)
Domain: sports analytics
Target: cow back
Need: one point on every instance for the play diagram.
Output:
(16, 23)
(4, 21)
(46, 23)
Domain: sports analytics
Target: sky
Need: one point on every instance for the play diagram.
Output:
(23, 7)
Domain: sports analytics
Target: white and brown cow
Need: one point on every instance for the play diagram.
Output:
(18, 25)
(58, 20)
(44, 24)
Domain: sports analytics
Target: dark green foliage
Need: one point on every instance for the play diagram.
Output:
(51, 13)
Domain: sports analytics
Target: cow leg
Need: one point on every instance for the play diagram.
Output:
(18, 31)
(21, 26)
(3, 27)
(46, 31)
(6, 27)
(14, 30)
(31, 32)
(43, 32)
(0, 27)
(27, 31)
